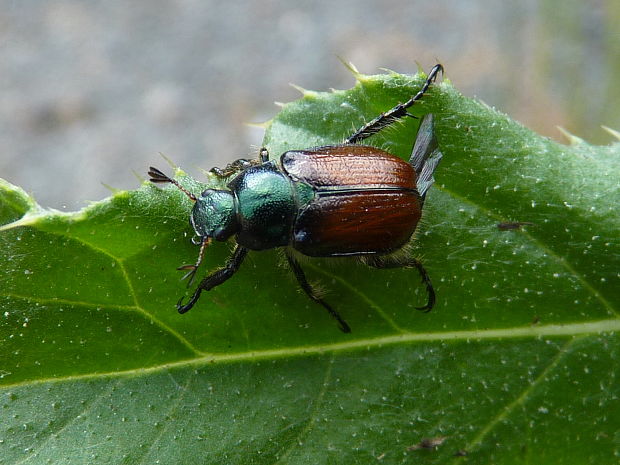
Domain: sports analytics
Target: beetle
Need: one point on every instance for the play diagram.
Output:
(330, 201)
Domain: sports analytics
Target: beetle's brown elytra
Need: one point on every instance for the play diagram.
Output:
(337, 200)
(338, 167)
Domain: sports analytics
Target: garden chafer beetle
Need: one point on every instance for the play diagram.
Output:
(330, 201)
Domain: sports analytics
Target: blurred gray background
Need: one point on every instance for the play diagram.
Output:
(91, 91)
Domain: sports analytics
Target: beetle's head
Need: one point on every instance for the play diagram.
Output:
(214, 216)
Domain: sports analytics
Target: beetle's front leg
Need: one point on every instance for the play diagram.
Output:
(233, 168)
(216, 278)
(382, 262)
(240, 165)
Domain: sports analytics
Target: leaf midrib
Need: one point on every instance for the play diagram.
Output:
(520, 332)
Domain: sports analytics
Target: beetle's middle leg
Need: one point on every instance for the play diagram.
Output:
(388, 261)
(216, 278)
(303, 282)
(391, 116)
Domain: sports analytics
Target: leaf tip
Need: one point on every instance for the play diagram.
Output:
(389, 71)
(115, 190)
(172, 164)
(351, 67)
(141, 179)
(304, 92)
(572, 139)
(611, 131)
(262, 125)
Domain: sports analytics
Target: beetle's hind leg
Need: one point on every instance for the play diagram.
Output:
(390, 261)
(391, 116)
(303, 282)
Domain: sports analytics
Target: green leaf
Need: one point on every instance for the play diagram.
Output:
(517, 362)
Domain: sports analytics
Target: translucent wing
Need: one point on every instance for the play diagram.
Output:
(426, 155)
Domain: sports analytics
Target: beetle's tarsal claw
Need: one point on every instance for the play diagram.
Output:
(427, 308)
(431, 296)
(192, 301)
(182, 308)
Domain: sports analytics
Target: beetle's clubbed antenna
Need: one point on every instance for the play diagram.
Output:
(391, 116)
(159, 177)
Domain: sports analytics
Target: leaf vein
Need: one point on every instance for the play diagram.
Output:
(371, 303)
(524, 332)
(69, 423)
(312, 418)
(173, 408)
(137, 307)
(522, 397)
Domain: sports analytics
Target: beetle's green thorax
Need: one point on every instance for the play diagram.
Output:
(214, 215)
(260, 207)
(267, 204)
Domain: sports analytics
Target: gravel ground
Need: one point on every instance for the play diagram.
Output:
(92, 91)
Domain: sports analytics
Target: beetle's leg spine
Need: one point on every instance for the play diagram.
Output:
(303, 282)
(399, 111)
